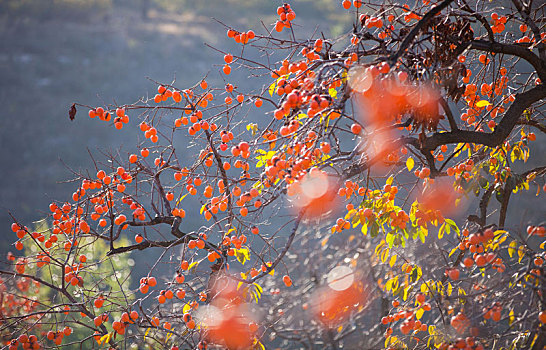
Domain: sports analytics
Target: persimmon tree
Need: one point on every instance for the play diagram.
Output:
(359, 198)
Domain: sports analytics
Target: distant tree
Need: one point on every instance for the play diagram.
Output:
(328, 223)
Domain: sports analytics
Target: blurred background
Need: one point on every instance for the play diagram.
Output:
(97, 52)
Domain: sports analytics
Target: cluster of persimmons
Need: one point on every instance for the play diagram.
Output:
(333, 116)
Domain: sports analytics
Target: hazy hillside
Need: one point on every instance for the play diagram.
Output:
(53, 53)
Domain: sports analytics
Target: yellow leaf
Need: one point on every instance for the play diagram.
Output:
(259, 186)
(392, 261)
(405, 296)
(391, 341)
(419, 313)
(185, 310)
(390, 283)
(424, 288)
(364, 228)
(482, 103)
(440, 287)
(379, 247)
(534, 340)
(242, 255)
(181, 198)
(252, 127)
(410, 163)
(193, 264)
(499, 233)
(264, 157)
(105, 339)
(521, 253)
(332, 93)
(272, 88)
(389, 180)
(441, 231)
(453, 251)
(148, 331)
(512, 248)
(449, 288)
(431, 330)
(384, 255)
(257, 345)
(511, 317)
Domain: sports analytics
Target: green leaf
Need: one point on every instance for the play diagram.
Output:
(374, 230)
(389, 238)
(453, 225)
(416, 274)
(422, 232)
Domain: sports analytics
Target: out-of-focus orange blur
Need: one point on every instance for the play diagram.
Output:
(344, 294)
(315, 192)
(228, 320)
(440, 195)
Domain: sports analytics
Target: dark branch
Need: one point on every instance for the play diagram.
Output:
(501, 132)
(408, 39)
(515, 50)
